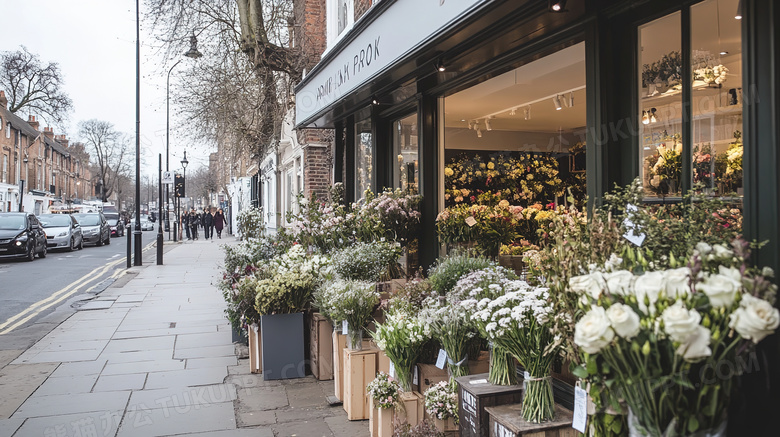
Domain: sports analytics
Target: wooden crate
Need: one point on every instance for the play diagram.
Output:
(339, 343)
(414, 408)
(474, 395)
(507, 421)
(321, 347)
(446, 426)
(428, 375)
(255, 350)
(359, 370)
(380, 420)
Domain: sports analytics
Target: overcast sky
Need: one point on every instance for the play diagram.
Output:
(93, 41)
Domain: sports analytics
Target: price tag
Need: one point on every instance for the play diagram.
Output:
(633, 234)
(580, 409)
(471, 221)
(415, 380)
(442, 359)
(479, 381)
(344, 327)
(392, 370)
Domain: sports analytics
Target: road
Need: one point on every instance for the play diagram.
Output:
(31, 290)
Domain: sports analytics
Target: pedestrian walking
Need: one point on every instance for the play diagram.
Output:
(219, 222)
(185, 223)
(208, 224)
(194, 223)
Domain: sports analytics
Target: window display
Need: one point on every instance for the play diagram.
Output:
(406, 150)
(364, 157)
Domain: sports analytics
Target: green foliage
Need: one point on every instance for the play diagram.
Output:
(446, 271)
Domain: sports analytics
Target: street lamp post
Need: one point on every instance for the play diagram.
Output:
(184, 163)
(193, 53)
(137, 231)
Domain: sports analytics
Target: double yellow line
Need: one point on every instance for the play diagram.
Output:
(57, 297)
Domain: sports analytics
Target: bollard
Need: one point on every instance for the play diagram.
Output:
(129, 246)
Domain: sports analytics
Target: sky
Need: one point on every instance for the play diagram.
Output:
(93, 41)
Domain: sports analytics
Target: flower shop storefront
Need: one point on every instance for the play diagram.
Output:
(503, 114)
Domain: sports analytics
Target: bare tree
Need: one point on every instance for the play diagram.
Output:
(242, 87)
(33, 87)
(110, 150)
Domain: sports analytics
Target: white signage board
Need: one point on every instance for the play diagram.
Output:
(400, 29)
(167, 177)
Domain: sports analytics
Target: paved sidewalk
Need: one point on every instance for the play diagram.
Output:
(153, 357)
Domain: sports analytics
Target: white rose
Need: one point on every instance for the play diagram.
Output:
(721, 288)
(613, 263)
(591, 284)
(619, 282)
(703, 248)
(593, 331)
(624, 320)
(754, 319)
(679, 322)
(647, 288)
(697, 345)
(677, 282)
(722, 251)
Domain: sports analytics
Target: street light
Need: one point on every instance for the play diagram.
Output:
(193, 53)
(184, 163)
(137, 232)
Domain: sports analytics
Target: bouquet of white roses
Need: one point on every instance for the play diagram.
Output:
(384, 391)
(474, 287)
(350, 301)
(401, 337)
(521, 322)
(667, 335)
(441, 400)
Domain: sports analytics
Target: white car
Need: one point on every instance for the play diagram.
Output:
(146, 225)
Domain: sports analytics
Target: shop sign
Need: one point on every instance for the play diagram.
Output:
(402, 28)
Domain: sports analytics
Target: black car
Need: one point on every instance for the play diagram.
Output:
(116, 223)
(21, 236)
(94, 228)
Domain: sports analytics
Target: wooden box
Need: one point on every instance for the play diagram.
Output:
(414, 408)
(428, 375)
(380, 420)
(339, 343)
(359, 370)
(448, 426)
(507, 421)
(321, 347)
(255, 350)
(475, 393)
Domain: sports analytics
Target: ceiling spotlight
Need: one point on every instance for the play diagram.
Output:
(557, 5)
(645, 118)
(471, 124)
(513, 111)
(374, 101)
(571, 99)
(440, 66)
(487, 124)
(557, 102)
(479, 133)
(738, 15)
(653, 118)
(527, 113)
(724, 53)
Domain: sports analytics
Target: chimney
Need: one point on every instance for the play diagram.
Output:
(3, 100)
(48, 132)
(33, 122)
(62, 139)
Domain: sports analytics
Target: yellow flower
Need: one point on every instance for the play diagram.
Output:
(503, 203)
(491, 166)
(448, 172)
(482, 165)
(530, 176)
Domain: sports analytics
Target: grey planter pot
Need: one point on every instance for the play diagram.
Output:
(282, 344)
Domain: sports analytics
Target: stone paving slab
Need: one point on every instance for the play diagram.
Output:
(67, 385)
(72, 403)
(186, 377)
(133, 381)
(184, 396)
(18, 382)
(9, 426)
(175, 421)
(99, 424)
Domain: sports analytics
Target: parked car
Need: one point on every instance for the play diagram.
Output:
(116, 223)
(146, 225)
(62, 231)
(94, 228)
(21, 236)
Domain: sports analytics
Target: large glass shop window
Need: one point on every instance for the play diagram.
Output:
(405, 148)
(364, 158)
(716, 102)
(514, 154)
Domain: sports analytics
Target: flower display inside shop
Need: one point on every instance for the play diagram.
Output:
(485, 226)
(519, 178)
(703, 166)
(673, 328)
(728, 166)
(663, 169)
(521, 321)
(441, 400)
(384, 391)
(402, 337)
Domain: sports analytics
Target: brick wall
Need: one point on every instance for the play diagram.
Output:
(310, 28)
(361, 6)
(317, 171)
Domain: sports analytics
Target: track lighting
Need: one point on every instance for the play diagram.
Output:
(557, 102)
(571, 99)
(724, 53)
(471, 124)
(440, 66)
(513, 111)
(557, 5)
(487, 124)
(645, 118)
(527, 112)
(479, 132)
(653, 118)
(738, 15)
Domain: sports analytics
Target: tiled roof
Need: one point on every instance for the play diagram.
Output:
(18, 123)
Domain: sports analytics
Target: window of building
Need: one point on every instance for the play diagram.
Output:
(5, 168)
(406, 150)
(715, 125)
(340, 16)
(289, 198)
(299, 175)
(364, 158)
(8, 130)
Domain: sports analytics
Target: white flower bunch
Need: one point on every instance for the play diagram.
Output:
(518, 307)
(441, 400)
(401, 337)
